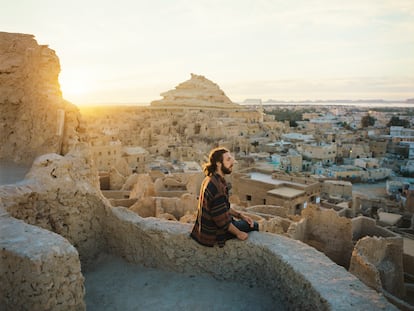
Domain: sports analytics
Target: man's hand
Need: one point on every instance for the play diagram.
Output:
(248, 220)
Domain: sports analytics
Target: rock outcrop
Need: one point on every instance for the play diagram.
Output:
(35, 119)
(198, 92)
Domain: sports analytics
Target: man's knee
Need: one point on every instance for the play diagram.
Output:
(245, 227)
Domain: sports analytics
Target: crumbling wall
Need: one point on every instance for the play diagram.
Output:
(298, 274)
(408, 262)
(268, 210)
(271, 218)
(143, 187)
(116, 179)
(166, 208)
(337, 188)
(364, 226)
(34, 117)
(329, 233)
(61, 194)
(39, 270)
(409, 204)
(378, 262)
(275, 224)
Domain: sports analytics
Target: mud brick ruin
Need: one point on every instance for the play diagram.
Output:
(55, 222)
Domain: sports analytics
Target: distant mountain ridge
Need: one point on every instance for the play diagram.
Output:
(410, 100)
(339, 101)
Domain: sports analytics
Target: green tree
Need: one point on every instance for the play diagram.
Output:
(367, 120)
(293, 123)
(396, 121)
(345, 125)
(286, 114)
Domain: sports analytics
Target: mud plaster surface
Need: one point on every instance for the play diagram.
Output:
(114, 284)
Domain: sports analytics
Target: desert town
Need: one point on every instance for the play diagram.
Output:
(331, 186)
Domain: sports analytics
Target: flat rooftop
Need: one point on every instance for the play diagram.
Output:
(286, 192)
(389, 218)
(268, 179)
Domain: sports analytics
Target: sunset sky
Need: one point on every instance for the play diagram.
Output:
(131, 51)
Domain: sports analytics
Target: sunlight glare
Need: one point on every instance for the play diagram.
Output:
(75, 85)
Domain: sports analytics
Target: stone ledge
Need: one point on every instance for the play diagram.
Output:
(298, 274)
(39, 270)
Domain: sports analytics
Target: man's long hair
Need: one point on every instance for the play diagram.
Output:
(216, 155)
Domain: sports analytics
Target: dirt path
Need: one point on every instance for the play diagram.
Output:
(115, 284)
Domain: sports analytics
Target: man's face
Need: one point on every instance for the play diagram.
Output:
(227, 164)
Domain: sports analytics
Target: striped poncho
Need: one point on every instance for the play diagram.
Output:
(213, 217)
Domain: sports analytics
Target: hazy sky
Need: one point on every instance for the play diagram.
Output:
(133, 50)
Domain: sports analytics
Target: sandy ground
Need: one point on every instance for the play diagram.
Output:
(115, 284)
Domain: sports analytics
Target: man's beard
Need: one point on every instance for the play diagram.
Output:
(226, 170)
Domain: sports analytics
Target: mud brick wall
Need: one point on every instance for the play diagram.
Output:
(39, 270)
(303, 277)
(61, 194)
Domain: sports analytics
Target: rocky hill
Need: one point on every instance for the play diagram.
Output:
(196, 92)
(35, 119)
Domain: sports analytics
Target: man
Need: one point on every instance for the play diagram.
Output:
(215, 222)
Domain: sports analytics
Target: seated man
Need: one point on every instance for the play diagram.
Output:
(215, 223)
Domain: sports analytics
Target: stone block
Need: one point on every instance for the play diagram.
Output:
(40, 270)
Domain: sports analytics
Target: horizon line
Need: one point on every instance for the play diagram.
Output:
(270, 100)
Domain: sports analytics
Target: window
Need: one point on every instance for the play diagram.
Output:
(248, 197)
(297, 209)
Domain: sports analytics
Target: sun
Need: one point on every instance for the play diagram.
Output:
(75, 86)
